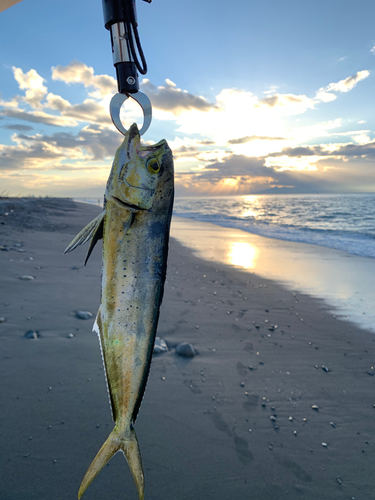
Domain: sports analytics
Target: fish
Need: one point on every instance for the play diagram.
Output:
(134, 226)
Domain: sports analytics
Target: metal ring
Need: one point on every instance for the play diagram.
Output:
(118, 100)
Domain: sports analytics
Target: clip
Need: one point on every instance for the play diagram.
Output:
(118, 100)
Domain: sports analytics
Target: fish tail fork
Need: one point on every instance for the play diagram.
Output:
(116, 441)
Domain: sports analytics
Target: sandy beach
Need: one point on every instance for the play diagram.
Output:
(279, 402)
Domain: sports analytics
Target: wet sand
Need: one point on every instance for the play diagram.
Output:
(234, 422)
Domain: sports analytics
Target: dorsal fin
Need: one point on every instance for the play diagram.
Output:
(97, 235)
(86, 233)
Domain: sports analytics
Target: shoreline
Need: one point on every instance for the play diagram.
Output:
(236, 421)
(343, 280)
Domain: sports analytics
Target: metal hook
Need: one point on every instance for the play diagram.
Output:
(115, 106)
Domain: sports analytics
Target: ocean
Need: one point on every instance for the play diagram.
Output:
(341, 221)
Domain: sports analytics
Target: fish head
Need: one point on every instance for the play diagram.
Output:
(142, 176)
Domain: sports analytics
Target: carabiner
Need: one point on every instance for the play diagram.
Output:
(118, 100)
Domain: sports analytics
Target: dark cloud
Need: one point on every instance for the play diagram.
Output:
(249, 138)
(18, 127)
(98, 142)
(171, 98)
(253, 176)
(347, 150)
(14, 158)
(272, 100)
(206, 142)
(56, 121)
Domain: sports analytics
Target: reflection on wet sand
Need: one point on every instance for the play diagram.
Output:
(242, 254)
(344, 280)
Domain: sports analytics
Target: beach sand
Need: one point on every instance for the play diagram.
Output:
(235, 422)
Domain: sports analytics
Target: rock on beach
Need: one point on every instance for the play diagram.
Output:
(185, 350)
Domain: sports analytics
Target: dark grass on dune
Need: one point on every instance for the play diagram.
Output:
(234, 422)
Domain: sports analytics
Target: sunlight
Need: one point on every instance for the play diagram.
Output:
(242, 254)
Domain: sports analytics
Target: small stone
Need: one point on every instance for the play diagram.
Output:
(315, 407)
(242, 384)
(325, 369)
(273, 418)
(333, 425)
(27, 455)
(31, 334)
(339, 480)
(160, 346)
(291, 419)
(50, 388)
(295, 433)
(84, 314)
(2, 319)
(185, 350)
(324, 445)
(27, 278)
(70, 335)
(163, 378)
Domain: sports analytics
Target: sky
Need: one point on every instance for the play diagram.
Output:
(252, 97)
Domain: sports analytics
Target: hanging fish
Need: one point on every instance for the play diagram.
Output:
(134, 225)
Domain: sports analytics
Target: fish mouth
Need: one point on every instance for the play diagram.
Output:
(129, 206)
(139, 187)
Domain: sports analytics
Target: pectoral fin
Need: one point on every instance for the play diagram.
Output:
(93, 230)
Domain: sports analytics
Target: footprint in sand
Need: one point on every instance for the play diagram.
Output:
(242, 369)
(300, 474)
(251, 402)
(243, 453)
(192, 386)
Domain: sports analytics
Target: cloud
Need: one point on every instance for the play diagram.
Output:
(172, 99)
(78, 72)
(347, 84)
(249, 138)
(92, 143)
(296, 103)
(18, 127)
(33, 84)
(372, 50)
(39, 117)
(345, 150)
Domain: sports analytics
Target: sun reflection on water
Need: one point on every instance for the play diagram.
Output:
(242, 254)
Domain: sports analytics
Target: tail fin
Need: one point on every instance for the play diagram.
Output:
(117, 442)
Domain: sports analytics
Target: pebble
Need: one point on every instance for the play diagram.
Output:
(273, 418)
(160, 346)
(84, 314)
(27, 278)
(333, 425)
(70, 335)
(325, 369)
(185, 350)
(31, 334)
(324, 445)
(2, 320)
(315, 407)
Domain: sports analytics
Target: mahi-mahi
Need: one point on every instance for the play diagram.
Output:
(134, 225)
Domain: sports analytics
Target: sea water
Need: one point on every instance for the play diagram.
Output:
(341, 221)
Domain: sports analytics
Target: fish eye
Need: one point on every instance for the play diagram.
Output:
(153, 165)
